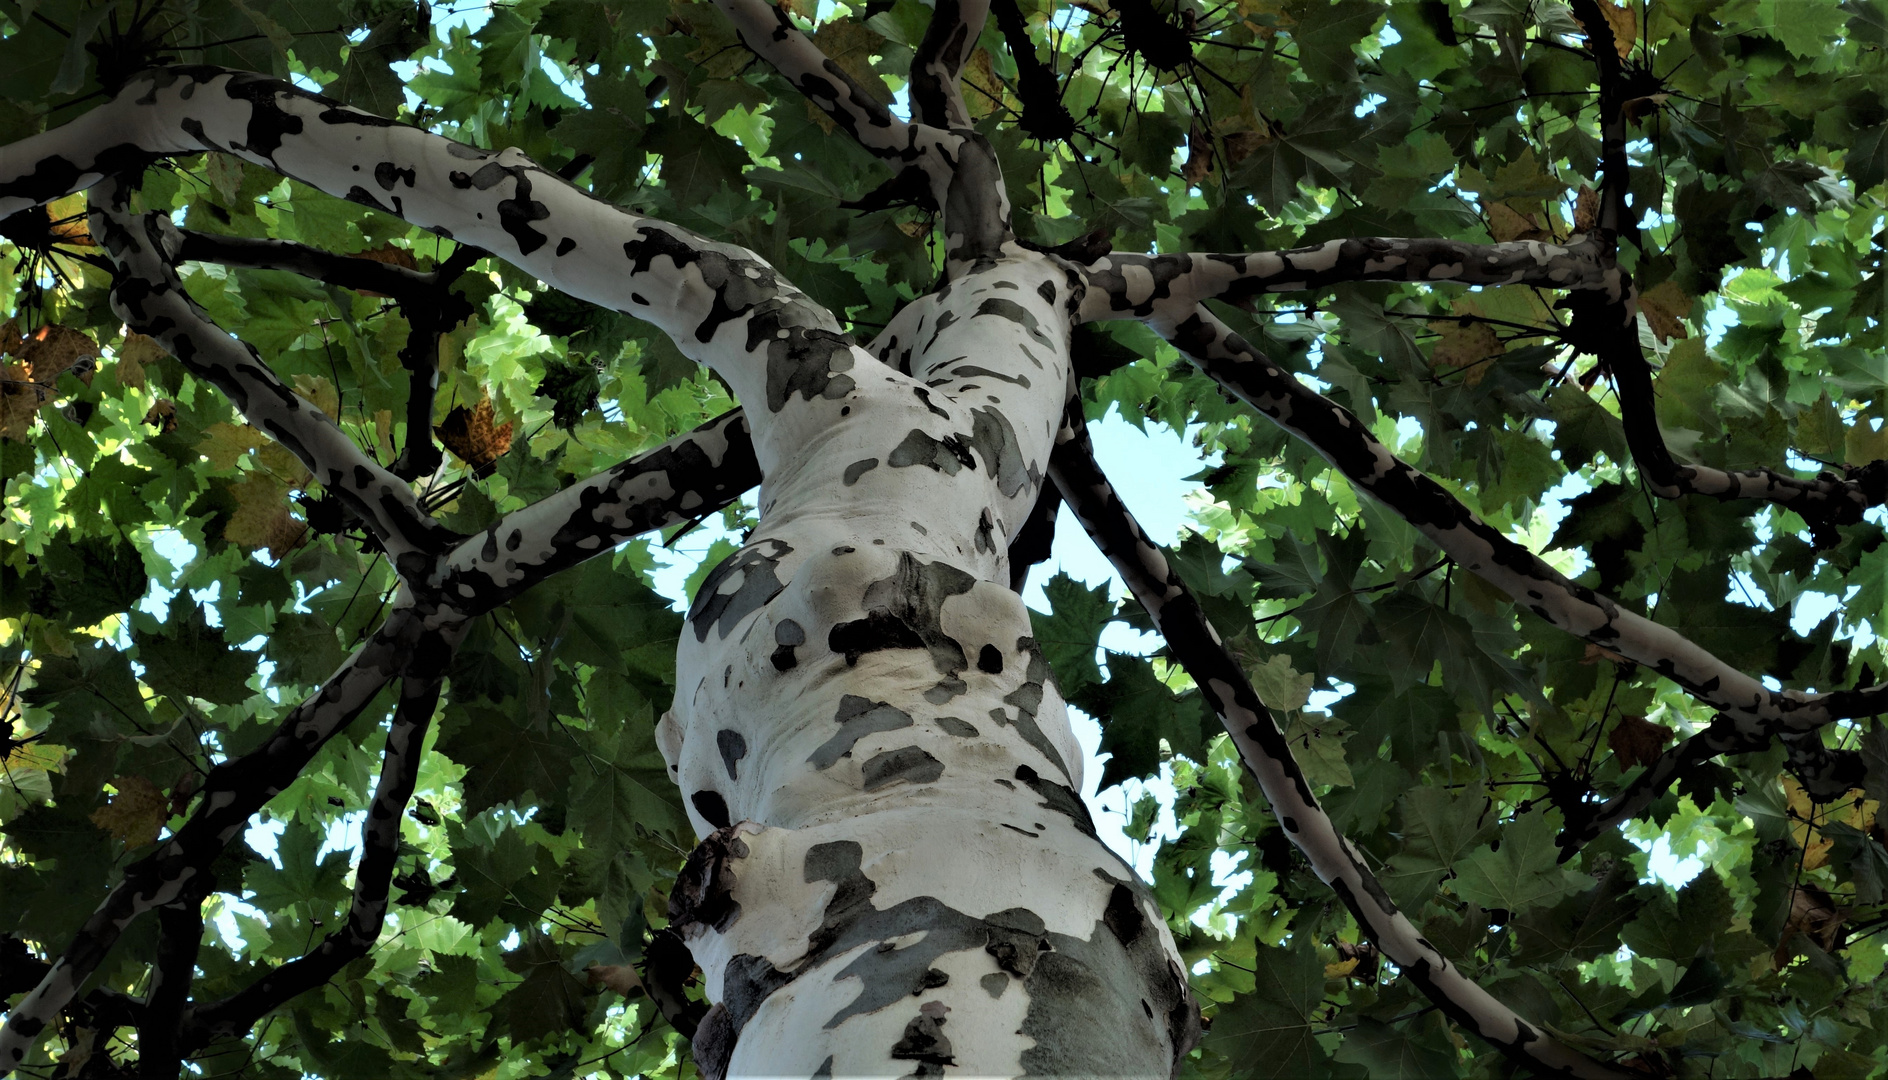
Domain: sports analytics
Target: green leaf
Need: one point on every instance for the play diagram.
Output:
(1270, 1032)
(1438, 828)
(548, 1001)
(189, 658)
(1070, 635)
(91, 577)
(1518, 870)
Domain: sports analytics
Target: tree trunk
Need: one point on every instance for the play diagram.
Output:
(897, 871)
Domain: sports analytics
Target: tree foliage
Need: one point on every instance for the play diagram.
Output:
(173, 583)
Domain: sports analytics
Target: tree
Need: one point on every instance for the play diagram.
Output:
(1623, 261)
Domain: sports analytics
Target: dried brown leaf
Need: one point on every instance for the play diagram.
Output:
(474, 434)
(622, 978)
(1638, 741)
(1586, 210)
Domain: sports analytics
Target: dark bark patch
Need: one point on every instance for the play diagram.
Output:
(910, 764)
(714, 1043)
(1027, 699)
(994, 983)
(857, 717)
(904, 611)
(995, 441)
(945, 690)
(948, 455)
(1123, 916)
(712, 808)
(990, 660)
(733, 747)
(924, 1041)
(387, 174)
(952, 725)
(759, 584)
(788, 636)
(933, 979)
(704, 890)
(1063, 800)
(1016, 939)
(857, 469)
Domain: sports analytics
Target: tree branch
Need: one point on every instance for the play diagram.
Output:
(425, 298)
(723, 305)
(1347, 444)
(180, 935)
(690, 476)
(1610, 331)
(380, 850)
(1263, 748)
(937, 98)
(1123, 285)
(234, 791)
(149, 296)
(959, 163)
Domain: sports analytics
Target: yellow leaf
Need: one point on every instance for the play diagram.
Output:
(225, 444)
(136, 353)
(383, 433)
(851, 45)
(1505, 223)
(136, 811)
(42, 756)
(320, 393)
(1625, 26)
(1340, 969)
(38, 359)
(1665, 306)
(1466, 346)
(262, 518)
(69, 226)
(982, 89)
(621, 978)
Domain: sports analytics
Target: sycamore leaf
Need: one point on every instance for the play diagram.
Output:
(262, 518)
(1665, 306)
(1271, 1032)
(1520, 869)
(1317, 741)
(1279, 685)
(851, 45)
(1466, 345)
(549, 1000)
(136, 813)
(225, 174)
(1635, 741)
(1069, 636)
(474, 435)
(223, 444)
(320, 393)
